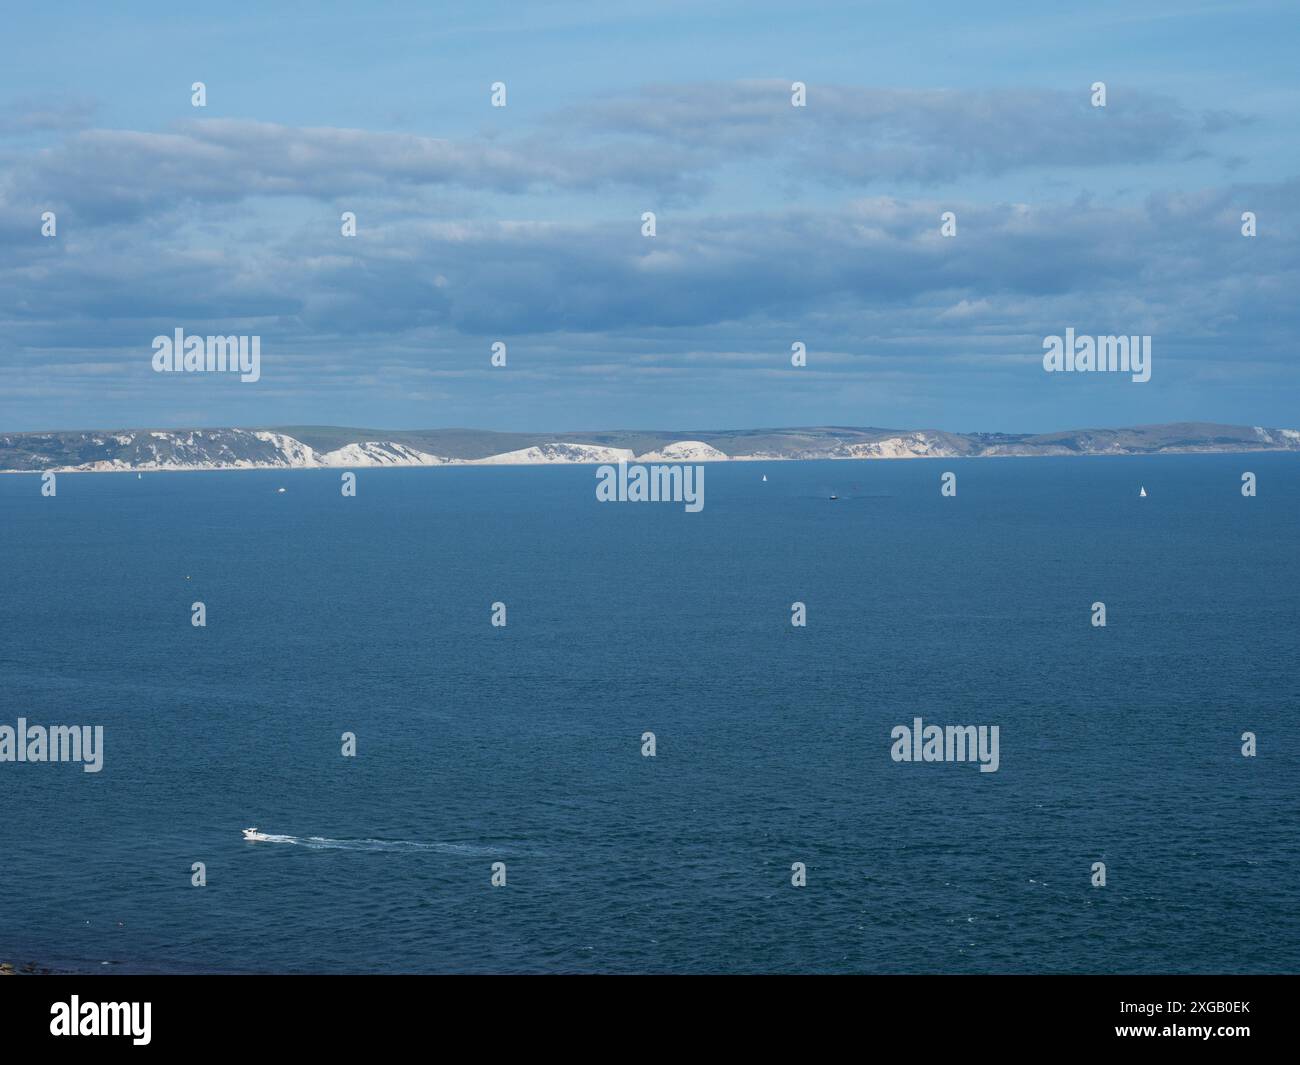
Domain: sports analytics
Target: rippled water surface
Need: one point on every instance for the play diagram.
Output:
(522, 745)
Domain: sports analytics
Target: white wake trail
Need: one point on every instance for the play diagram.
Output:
(322, 843)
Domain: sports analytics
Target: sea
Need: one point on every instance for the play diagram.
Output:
(519, 753)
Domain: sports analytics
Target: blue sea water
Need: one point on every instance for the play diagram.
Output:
(523, 744)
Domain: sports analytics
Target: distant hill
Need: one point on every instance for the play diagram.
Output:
(333, 446)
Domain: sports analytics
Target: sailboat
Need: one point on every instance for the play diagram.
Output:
(764, 478)
(1142, 494)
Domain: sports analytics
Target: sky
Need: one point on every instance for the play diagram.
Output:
(774, 224)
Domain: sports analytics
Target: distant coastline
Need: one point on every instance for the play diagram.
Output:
(331, 447)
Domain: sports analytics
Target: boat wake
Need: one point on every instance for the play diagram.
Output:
(322, 843)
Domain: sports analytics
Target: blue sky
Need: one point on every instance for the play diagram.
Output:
(775, 224)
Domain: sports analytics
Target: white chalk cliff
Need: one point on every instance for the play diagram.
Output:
(246, 449)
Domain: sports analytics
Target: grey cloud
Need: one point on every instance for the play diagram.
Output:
(108, 176)
(111, 175)
(859, 134)
(26, 116)
(876, 268)
(676, 141)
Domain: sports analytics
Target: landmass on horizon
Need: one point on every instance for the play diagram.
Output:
(309, 447)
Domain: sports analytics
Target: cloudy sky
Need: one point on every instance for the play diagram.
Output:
(775, 224)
